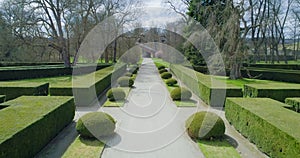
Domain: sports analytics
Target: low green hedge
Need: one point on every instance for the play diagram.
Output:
(13, 90)
(2, 98)
(212, 94)
(31, 122)
(294, 102)
(273, 128)
(86, 88)
(28, 72)
(274, 74)
(277, 91)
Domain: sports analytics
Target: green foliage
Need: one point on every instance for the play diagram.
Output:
(160, 67)
(125, 81)
(205, 125)
(204, 86)
(171, 82)
(95, 125)
(166, 75)
(14, 89)
(294, 102)
(181, 93)
(128, 74)
(277, 91)
(2, 98)
(29, 123)
(85, 91)
(116, 94)
(267, 123)
(162, 71)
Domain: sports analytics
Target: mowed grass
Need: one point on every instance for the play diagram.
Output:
(241, 82)
(83, 148)
(218, 149)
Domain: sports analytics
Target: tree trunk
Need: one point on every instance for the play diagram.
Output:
(235, 72)
(115, 51)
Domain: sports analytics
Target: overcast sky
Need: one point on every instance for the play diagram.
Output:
(156, 14)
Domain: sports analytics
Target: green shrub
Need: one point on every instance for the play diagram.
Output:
(161, 67)
(125, 81)
(294, 102)
(266, 123)
(16, 89)
(181, 93)
(277, 91)
(29, 123)
(203, 86)
(162, 71)
(166, 75)
(171, 82)
(2, 98)
(205, 125)
(95, 125)
(115, 94)
(128, 74)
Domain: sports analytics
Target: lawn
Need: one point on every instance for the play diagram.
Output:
(280, 62)
(218, 149)
(82, 148)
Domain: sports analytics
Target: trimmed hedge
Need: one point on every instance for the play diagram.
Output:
(273, 128)
(181, 93)
(95, 125)
(274, 66)
(162, 71)
(85, 88)
(212, 94)
(205, 125)
(277, 91)
(125, 81)
(294, 102)
(30, 123)
(28, 72)
(160, 67)
(171, 82)
(2, 98)
(115, 94)
(13, 90)
(166, 75)
(274, 74)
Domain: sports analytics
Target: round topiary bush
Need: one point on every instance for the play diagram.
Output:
(125, 81)
(205, 125)
(162, 71)
(166, 75)
(115, 94)
(128, 74)
(95, 125)
(181, 93)
(171, 82)
(161, 67)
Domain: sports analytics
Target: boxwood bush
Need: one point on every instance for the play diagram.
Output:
(181, 93)
(294, 102)
(166, 75)
(160, 67)
(125, 81)
(95, 125)
(266, 123)
(115, 94)
(31, 122)
(162, 71)
(205, 125)
(128, 74)
(2, 98)
(171, 82)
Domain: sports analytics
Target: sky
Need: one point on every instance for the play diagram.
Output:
(157, 15)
